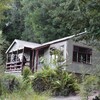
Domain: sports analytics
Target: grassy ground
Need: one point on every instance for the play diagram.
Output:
(24, 96)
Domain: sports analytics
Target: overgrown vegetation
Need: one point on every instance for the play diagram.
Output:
(59, 82)
(42, 84)
(26, 73)
(57, 79)
(42, 21)
(45, 20)
(9, 84)
(88, 85)
(25, 95)
(19, 88)
(26, 79)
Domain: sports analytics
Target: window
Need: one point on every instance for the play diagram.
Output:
(62, 50)
(54, 54)
(82, 54)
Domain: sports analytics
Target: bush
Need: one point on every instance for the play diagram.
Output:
(88, 85)
(9, 83)
(0, 88)
(65, 84)
(25, 95)
(62, 83)
(43, 79)
(26, 73)
(26, 82)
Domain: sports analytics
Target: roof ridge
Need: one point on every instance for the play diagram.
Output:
(25, 41)
(65, 38)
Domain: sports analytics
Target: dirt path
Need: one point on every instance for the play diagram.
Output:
(70, 98)
(75, 97)
(66, 98)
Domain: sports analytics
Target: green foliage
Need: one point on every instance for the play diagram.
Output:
(61, 18)
(22, 93)
(45, 20)
(20, 90)
(44, 16)
(4, 5)
(3, 47)
(34, 20)
(9, 83)
(26, 82)
(0, 88)
(13, 25)
(58, 57)
(14, 88)
(58, 83)
(25, 95)
(88, 85)
(43, 79)
(26, 73)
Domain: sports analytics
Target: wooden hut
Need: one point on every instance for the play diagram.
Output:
(19, 54)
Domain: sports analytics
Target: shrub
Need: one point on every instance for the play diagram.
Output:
(42, 80)
(0, 88)
(65, 84)
(58, 83)
(26, 82)
(88, 85)
(9, 83)
(26, 73)
(25, 95)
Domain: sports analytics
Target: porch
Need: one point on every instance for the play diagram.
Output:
(16, 60)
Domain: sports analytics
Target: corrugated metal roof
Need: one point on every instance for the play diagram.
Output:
(60, 40)
(21, 44)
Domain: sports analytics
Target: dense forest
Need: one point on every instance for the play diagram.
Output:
(45, 20)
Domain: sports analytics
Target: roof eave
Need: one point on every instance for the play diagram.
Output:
(10, 46)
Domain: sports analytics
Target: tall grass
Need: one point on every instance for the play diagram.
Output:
(25, 96)
(24, 90)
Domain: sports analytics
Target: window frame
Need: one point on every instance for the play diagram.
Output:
(85, 53)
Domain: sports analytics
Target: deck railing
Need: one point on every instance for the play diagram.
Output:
(14, 66)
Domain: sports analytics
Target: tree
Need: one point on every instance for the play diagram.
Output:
(4, 5)
(50, 19)
(13, 26)
(46, 20)
(28, 33)
(3, 47)
(91, 13)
